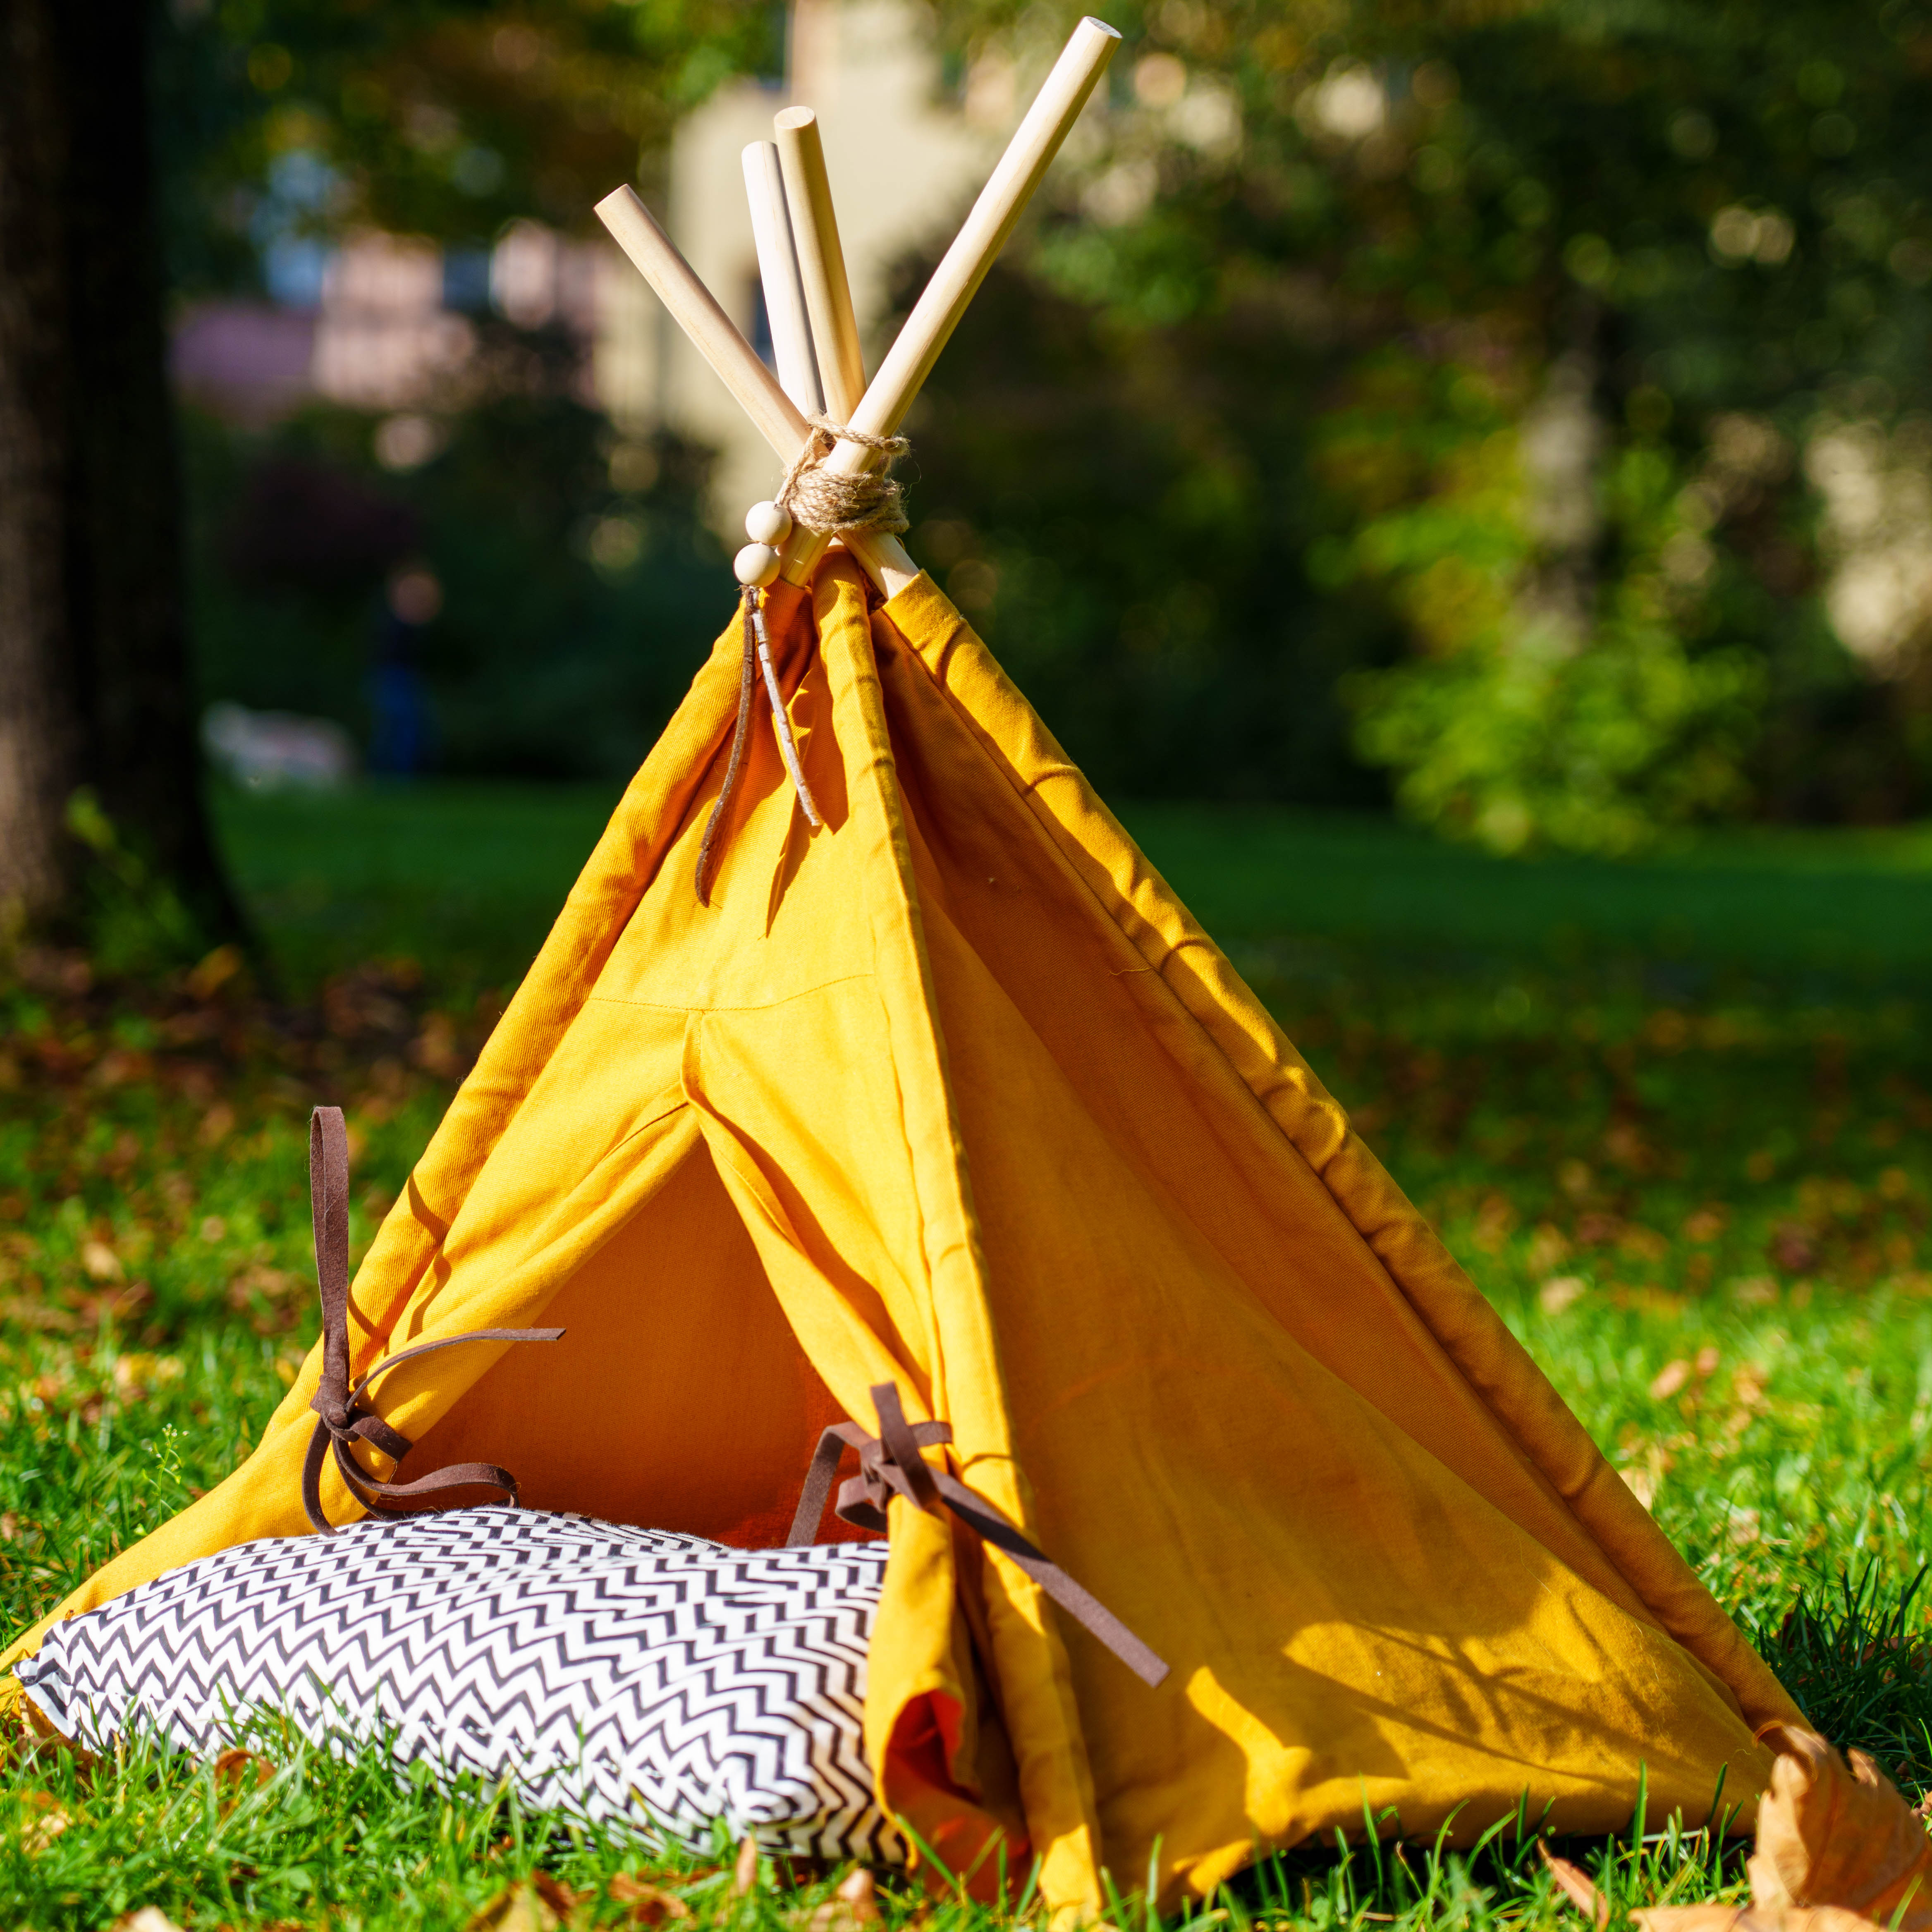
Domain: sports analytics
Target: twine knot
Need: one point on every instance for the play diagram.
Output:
(832, 502)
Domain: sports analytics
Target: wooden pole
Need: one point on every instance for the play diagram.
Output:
(821, 261)
(711, 331)
(963, 268)
(778, 274)
(716, 337)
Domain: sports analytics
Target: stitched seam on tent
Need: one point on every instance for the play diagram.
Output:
(757, 1007)
(643, 1126)
(1111, 905)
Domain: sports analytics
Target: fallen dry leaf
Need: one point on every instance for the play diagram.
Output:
(100, 1261)
(236, 1774)
(1571, 1881)
(558, 1897)
(1838, 1850)
(1670, 1378)
(647, 1904)
(522, 1908)
(1584, 1896)
(1831, 1834)
(1560, 1291)
(744, 1872)
(854, 1904)
(44, 1821)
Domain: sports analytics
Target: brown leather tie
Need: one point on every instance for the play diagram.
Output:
(890, 1464)
(341, 1420)
(708, 854)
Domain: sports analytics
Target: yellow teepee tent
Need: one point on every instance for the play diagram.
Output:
(948, 1094)
(953, 1094)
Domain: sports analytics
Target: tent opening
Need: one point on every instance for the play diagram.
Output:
(679, 1399)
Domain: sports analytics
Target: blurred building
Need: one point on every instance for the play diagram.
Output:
(907, 146)
(382, 322)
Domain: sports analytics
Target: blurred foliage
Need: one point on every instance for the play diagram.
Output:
(1121, 510)
(445, 118)
(580, 589)
(1513, 406)
(1549, 369)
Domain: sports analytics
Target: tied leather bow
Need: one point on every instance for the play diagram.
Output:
(890, 1464)
(341, 1421)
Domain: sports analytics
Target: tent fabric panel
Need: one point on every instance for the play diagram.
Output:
(1308, 1549)
(841, 1287)
(1496, 1366)
(1170, 1102)
(1162, 1407)
(681, 766)
(1027, 1649)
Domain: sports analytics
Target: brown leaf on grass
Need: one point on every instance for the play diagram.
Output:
(100, 1261)
(44, 1819)
(115, 1304)
(521, 1908)
(215, 972)
(1838, 1850)
(22, 1313)
(854, 1904)
(646, 1904)
(558, 1897)
(744, 1872)
(1831, 1833)
(1575, 1886)
(1793, 1249)
(237, 1773)
(1670, 1378)
(1760, 1918)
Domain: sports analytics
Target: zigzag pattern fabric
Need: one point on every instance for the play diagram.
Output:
(633, 1676)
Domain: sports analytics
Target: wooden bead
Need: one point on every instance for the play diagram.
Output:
(767, 523)
(756, 564)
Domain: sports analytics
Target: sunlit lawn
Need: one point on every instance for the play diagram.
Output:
(1675, 1116)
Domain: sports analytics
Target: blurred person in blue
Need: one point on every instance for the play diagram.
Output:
(400, 725)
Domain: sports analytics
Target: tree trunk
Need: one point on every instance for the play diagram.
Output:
(39, 744)
(95, 687)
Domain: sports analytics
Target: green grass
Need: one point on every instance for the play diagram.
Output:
(468, 876)
(1674, 1115)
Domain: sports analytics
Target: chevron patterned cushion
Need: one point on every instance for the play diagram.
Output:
(621, 1674)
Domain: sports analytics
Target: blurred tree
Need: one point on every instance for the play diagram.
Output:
(93, 651)
(1579, 339)
(444, 117)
